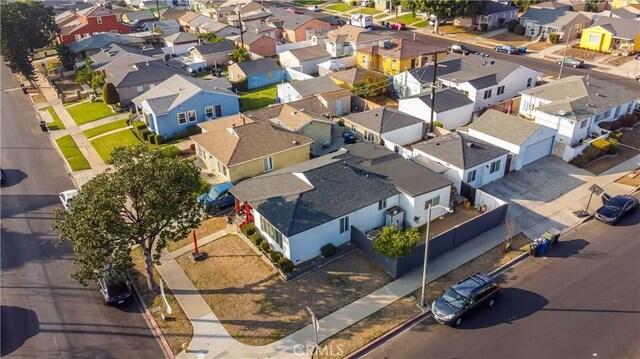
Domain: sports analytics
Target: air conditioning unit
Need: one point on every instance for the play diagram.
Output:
(394, 216)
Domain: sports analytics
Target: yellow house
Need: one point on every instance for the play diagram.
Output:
(616, 4)
(612, 35)
(251, 149)
(393, 58)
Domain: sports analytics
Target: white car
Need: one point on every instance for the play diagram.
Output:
(314, 8)
(66, 197)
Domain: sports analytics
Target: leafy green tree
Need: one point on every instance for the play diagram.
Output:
(85, 73)
(97, 81)
(66, 56)
(147, 199)
(25, 26)
(210, 38)
(409, 4)
(525, 4)
(240, 54)
(442, 9)
(394, 242)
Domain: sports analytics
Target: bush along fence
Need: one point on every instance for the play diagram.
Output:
(283, 265)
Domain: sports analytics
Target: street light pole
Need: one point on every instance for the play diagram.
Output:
(426, 253)
(564, 55)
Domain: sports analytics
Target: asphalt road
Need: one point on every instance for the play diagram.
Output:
(45, 313)
(581, 301)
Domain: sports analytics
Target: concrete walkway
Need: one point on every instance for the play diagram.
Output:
(211, 340)
(104, 121)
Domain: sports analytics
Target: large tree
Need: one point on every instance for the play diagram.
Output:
(395, 242)
(110, 95)
(147, 199)
(442, 9)
(25, 26)
(240, 54)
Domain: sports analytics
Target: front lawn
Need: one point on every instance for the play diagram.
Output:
(106, 144)
(368, 11)
(89, 112)
(510, 38)
(72, 153)
(340, 7)
(421, 24)
(206, 227)
(408, 19)
(308, 2)
(98, 130)
(256, 307)
(57, 123)
(258, 98)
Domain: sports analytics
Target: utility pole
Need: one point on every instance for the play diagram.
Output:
(433, 90)
(239, 11)
(158, 10)
(564, 55)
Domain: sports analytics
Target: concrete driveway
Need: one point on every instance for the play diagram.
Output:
(543, 195)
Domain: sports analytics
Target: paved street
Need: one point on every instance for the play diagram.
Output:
(45, 313)
(582, 301)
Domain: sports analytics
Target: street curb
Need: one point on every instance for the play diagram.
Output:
(154, 325)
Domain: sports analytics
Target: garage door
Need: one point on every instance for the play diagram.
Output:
(537, 150)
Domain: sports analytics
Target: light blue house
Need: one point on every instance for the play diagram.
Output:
(258, 73)
(175, 105)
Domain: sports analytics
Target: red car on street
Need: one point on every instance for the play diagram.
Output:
(398, 26)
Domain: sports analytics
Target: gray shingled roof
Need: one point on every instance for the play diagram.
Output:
(313, 86)
(139, 15)
(142, 73)
(446, 99)
(383, 119)
(222, 46)
(478, 71)
(509, 128)
(460, 150)
(98, 41)
(290, 21)
(310, 53)
(257, 67)
(493, 7)
(551, 17)
(181, 37)
(620, 28)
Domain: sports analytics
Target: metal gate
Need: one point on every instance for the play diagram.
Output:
(468, 192)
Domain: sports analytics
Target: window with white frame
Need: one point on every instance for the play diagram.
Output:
(140, 89)
(208, 111)
(495, 166)
(583, 123)
(594, 38)
(487, 94)
(270, 230)
(191, 116)
(364, 59)
(182, 118)
(268, 163)
(382, 204)
(471, 176)
(433, 202)
(119, 18)
(344, 224)
(99, 19)
(500, 90)
(152, 86)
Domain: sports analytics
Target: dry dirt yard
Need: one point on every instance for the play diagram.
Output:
(256, 307)
(631, 179)
(587, 55)
(207, 227)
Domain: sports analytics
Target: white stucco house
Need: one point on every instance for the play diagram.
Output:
(452, 108)
(465, 160)
(525, 140)
(485, 81)
(301, 208)
(305, 60)
(574, 106)
(294, 91)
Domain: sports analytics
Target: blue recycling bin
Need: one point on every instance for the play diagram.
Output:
(544, 246)
(523, 49)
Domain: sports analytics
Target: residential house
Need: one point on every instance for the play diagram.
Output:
(162, 27)
(263, 27)
(612, 35)
(257, 45)
(338, 102)
(305, 59)
(180, 38)
(304, 122)
(257, 73)
(186, 18)
(306, 206)
(229, 8)
(138, 16)
(122, 55)
(491, 15)
(169, 13)
(204, 24)
(616, 4)
(148, 4)
(288, 92)
(348, 78)
(95, 43)
(467, 161)
(217, 54)
(553, 5)
(485, 81)
(575, 106)
(250, 150)
(75, 26)
(299, 27)
(543, 22)
(525, 140)
(133, 80)
(384, 5)
(386, 126)
(347, 39)
(452, 108)
(395, 57)
(622, 13)
(180, 102)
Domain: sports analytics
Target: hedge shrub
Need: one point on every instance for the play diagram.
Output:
(248, 229)
(145, 134)
(519, 30)
(617, 135)
(171, 151)
(286, 265)
(512, 24)
(354, 2)
(592, 152)
(157, 139)
(328, 250)
(265, 246)
(371, 4)
(554, 38)
(139, 126)
(275, 256)
(256, 238)
(601, 144)
(580, 161)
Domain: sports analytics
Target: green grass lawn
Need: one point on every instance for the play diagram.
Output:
(424, 23)
(89, 112)
(368, 11)
(340, 7)
(57, 123)
(71, 103)
(308, 2)
(380, 16)
(106, 144)
(72, 153)
(258, 98)
(408, 19)
(93, 132)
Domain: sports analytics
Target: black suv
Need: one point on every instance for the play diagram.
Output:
(467, 295)
(114, 291)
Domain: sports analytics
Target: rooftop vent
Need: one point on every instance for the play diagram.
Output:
(561, 112)
(294, 142)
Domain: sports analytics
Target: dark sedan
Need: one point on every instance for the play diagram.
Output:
(509, 49)
(471, 293)
(615, 208)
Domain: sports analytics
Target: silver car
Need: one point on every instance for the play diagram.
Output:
(571, 61)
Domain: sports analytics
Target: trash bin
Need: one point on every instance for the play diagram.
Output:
(551, 235)
(544, 246)
(523, 49)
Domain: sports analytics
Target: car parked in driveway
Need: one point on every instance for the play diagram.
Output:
(571, 61)
(509, 49)
(218, 197)
(615, 208)
(464, 297)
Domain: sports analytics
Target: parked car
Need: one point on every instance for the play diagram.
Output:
(399, 26)
(314, 8)
(348, 137)
(114, 292)
(218, 197)
(571, 61)
(66, 197)
(290, 10)
(43, 126)
(615, 208)
(460, 49)
(2, 177)
(464, 297)
(509, 49)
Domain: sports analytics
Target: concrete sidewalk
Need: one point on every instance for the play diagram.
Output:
(211, 340)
